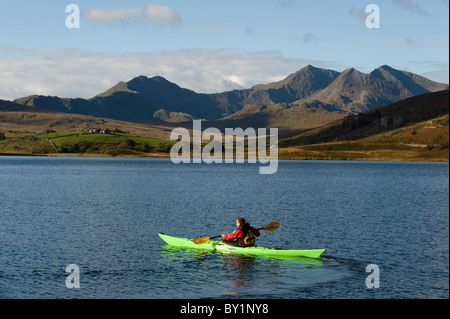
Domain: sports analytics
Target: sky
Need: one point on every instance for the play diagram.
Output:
(211, 45)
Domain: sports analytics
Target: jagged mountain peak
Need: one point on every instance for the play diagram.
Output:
(146, 85)
(385, 67)
(139, 84)
(351, 72)
(145, 79)
(350, 91)
(296, 86)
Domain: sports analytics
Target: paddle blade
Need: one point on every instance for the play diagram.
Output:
(201, 240)
(272, 226)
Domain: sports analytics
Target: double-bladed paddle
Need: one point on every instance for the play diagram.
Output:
(268, 227)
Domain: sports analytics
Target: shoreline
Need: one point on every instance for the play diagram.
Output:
(322, 157)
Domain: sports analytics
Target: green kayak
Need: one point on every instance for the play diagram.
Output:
(218, 245)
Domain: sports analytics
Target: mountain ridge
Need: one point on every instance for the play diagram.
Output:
(147, 99)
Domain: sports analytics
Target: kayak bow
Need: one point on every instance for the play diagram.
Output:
(217, 245)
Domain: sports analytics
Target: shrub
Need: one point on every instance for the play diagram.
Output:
(163, 148)
(69, 148)
(144, 148)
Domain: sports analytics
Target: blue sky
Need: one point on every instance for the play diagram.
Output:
(211, 45)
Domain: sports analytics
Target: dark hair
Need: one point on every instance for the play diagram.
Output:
(241, 220)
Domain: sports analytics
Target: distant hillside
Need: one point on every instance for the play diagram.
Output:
(422, 141)
(8, 106)
(286, 117)
(305, 94)
(429, 134)
(16, 119)
(399, 114)
(140, 99)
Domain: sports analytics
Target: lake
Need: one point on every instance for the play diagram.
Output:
(104, 215)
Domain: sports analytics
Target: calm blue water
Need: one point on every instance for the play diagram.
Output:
(104, 214)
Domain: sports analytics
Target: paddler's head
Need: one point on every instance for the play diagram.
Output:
(240, 221)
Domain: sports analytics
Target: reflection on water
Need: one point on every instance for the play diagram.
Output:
(240, 271)
(237, 274)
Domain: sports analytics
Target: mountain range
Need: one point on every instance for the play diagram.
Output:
(308, 98)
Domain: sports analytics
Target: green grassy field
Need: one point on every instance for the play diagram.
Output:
(77, 137)
(425, 141)
(80, 142)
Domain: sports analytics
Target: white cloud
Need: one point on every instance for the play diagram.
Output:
(411, 6)
(251, 32)
(159, 13)
(109, 16)
(434, 70)
(359, 13)
(410, 41)
(86, 74)
(441, 76)
(153, 13)
(309, 37)
(408, 5)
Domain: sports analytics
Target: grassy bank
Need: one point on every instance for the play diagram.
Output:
(423, 141)
(83, 143)
(405, 145)
(367, 152)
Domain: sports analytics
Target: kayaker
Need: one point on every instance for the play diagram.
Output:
(244, 235)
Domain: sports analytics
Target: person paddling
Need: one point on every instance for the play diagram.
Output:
(245, 235)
